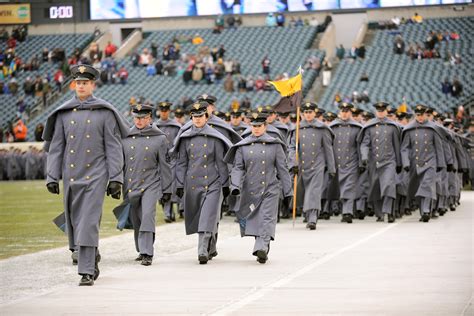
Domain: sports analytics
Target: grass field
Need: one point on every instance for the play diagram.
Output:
(27, 211)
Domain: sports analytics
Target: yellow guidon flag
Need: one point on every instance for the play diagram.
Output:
(290, 86)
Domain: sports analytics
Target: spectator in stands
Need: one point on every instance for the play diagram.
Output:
(170, 69)
(235, 67)
(361, 51)
(21, 107)
(457, 88)
(13, 86)
(364, 97)
(221, 51)
(150, 70)
(45, 55)
(159, 67)
(340, 52)
(58, 79)
(3, 88)
(399, 45)
(94, 52)
(46, 90)
(110, 49)
(28, 87)
(11, 42)
(417, 18)
(135, 59)
(219, 23)
(353, 52)
(246, 103)
(313, 22)
(38, 86)
(259, 84)
(229, 83)
(292, 22)
(280, 19)
(198, 73)
(266, 65)
(20, 131)
(299, 22)
(241, 83)
(446, 86)
(271, 20)
(364, 77)
(454, 36)
(197, 40)
(231, 22)
(123, 75)
(355, 97)
(145, 58)
(250, 83)
(4, 35)
(39, 132)
(238, 21)
(396, 21)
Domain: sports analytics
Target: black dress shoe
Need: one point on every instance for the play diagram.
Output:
(425, 217)
(347, 218)
(371, 213)
(86, 280)
(203, 259)
(380, 219)
(139, 258)
(181, 214)
(74, 256)
(452, 207)
(212, 255)
(337, 213)
(391, 218)
(147, 260)
(261, 256)
(168, 219)
(407, 212)
(311, 226)
(96, 268)
(434, 214)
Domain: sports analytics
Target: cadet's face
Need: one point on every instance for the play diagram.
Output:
(309, 115)
(210, 109)
(345, 115)
(429, 116)
(180, 119)
(420, 117)
(284, 120)
(271, 118)
(164, 115)
(381, 114)
(142, 122)
(259, 130)
(235, 120)
(199, 121)
(84, 88)
(357, 118)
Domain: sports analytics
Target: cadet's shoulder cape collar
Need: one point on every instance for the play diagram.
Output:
(150, 130)
(265, 138)
(338, 121)
(168, 122)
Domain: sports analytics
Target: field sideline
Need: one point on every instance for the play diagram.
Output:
(27, 210)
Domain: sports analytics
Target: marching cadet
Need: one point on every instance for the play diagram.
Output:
(316, 155)
(423, 157)
(272, 119)
(171, 129)
(402, 204)
(346, 153)
(270, 129)
(366, 117)
(284, 118)
(380, 152)
(148, 178)
(440, 205)
(329, 117)
(180, 116)
(83, 140)
(357, 114)
(319, 114)
(236, 121)
(470, 137)
(31, 163)
(259, 174)
(202, 179)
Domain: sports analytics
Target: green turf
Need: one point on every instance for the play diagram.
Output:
(27, 211)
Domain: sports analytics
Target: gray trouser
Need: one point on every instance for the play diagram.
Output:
(262, 243)
(168, 208)
(347, 206)
(384, 206)
(204, 241)
(360, 204)
(86, 260)
(425, 205)
(145, 243)
(312, 216)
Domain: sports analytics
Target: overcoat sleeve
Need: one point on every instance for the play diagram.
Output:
(165, 165)
(440, 161)
(238, 170)
(113, 148)
(282, 171)
(365, 144)
(55, 156)
(181, 165)
(329, 152)
(222, 168)
(396, 145)
(292, 150)
(405, 150)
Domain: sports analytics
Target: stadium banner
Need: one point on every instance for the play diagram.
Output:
(15, 13)
(135, 9)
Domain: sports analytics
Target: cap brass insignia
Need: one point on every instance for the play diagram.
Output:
(196, 106)
(255, 115)
(204, 96)
(260, 109)
(418, 107)
(82, 69)
(139, 107)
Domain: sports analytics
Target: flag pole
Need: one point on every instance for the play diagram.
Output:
(295, 177)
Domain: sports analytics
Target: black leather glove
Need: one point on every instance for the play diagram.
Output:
(450, 168)
(406, 168)
(438, 169)
(361, 169)
(286, 202)
(225, 191)
(455, 170)
(295, 170)
(114, 189)
(465, 170)
(365, 162)
(166, 197)
(235, 192)
(332, 175)
(398, 169)
(53, 187)
(180, 192)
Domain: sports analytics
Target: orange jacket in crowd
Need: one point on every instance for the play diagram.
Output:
(19, 131)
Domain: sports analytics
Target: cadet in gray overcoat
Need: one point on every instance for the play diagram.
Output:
(423, 157)
(148, 178)
(346, 154)
(315, 156)
(259, 174)
(202, 179)
(83, 140)
(380, 152)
